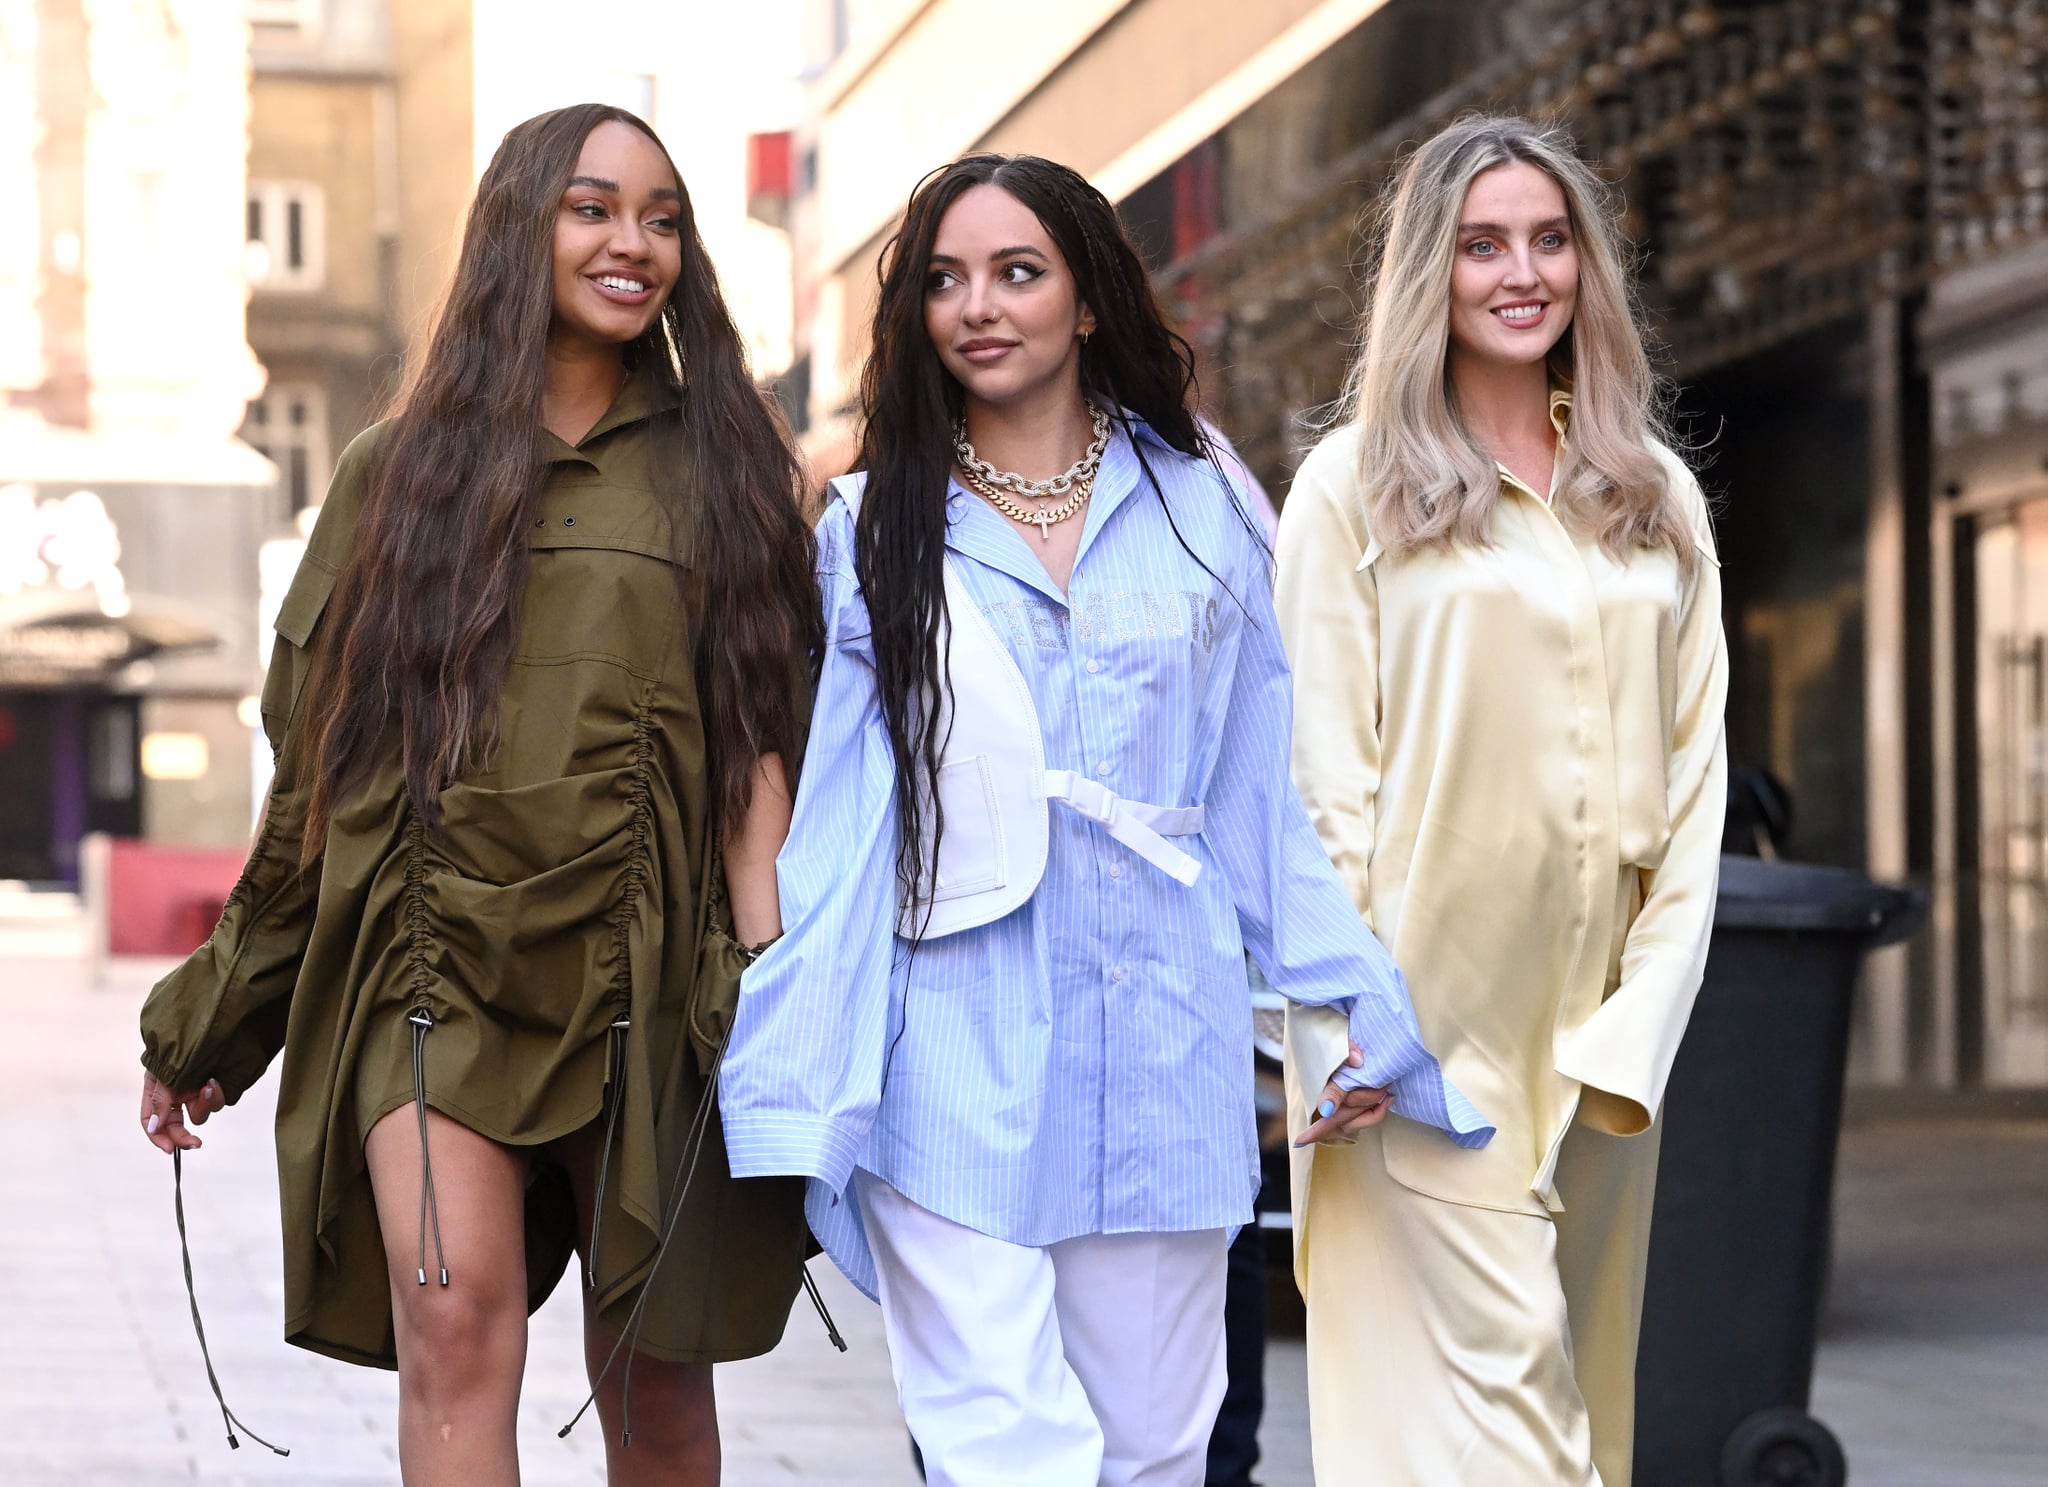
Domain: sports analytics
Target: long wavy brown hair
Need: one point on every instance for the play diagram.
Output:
(429, 601)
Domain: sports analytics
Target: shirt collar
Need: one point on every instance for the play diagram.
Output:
(639, 397)
(1560, 419)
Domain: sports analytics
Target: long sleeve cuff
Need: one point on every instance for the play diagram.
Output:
(1395, 1059)
(788, 1145)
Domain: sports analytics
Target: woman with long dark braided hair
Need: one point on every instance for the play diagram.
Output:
(1044, 812)
(544, 659)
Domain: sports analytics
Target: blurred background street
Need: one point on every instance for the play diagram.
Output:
(228, 223)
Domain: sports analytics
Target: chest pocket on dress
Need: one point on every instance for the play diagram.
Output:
(305, 601)
(603, 581)
(297, 617)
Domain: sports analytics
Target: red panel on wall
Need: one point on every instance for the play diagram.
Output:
(166, 900)
(768, 159)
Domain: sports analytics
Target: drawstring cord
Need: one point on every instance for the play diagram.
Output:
(614, 1078)
(423, 1023)
(686, 1169)
(693, 1147)
(811, 1289)
(700, 1125)
(228, 1418)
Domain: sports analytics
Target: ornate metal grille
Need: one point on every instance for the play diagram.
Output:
(1784, 163)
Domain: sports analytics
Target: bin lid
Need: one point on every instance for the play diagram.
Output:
(1756, 894)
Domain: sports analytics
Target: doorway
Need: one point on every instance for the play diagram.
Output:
(2009, 584)
(68, 766)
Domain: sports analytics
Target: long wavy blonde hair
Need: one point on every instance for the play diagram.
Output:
(1426, 480)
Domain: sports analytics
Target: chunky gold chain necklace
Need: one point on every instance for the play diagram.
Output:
(1044, 517)
(1001, 487)
(1036, 490)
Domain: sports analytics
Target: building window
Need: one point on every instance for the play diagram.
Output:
(288, 425)
(284, 20)
(286, 235)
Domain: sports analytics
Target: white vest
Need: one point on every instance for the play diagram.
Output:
(994, 787)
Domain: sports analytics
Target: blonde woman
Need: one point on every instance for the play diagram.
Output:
(1498, 589)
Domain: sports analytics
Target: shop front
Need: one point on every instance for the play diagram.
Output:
(127, 652)
(1987, 352)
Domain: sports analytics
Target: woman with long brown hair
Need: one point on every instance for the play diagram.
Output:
(537, 690)
(1504, 580)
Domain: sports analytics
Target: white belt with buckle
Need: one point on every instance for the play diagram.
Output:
(1142, 828)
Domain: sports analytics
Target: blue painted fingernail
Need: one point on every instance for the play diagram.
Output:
(1327, 1109)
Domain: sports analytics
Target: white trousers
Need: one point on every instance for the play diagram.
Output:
(1093, 1360)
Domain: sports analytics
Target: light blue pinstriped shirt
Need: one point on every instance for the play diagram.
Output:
(1082, 1065)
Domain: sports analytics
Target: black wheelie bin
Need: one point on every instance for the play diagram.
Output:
(1739, 1236)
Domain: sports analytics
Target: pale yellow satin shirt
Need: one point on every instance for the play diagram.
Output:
(1514, 755)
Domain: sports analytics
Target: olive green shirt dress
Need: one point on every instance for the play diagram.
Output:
(571, 889)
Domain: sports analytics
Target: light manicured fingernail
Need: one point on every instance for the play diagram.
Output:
(154, 1122)
(1327, 1109)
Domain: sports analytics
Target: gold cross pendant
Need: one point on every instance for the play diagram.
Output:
(1044, 527)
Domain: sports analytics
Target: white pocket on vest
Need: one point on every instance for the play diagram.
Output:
(973, 830)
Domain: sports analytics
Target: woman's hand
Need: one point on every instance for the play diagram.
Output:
(1341, 1112)
(168, 1113)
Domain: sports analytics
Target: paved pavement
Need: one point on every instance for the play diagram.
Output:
(102, 1381)
(1936, 1346)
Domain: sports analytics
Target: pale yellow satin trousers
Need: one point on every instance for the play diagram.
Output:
(1457, 1346)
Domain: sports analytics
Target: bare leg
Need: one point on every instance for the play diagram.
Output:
(675, 1414)
(461, 1347)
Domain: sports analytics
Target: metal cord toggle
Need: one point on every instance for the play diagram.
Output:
(615, 1096)
(423, 1023)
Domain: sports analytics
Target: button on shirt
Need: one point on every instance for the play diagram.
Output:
(1083, 1064)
